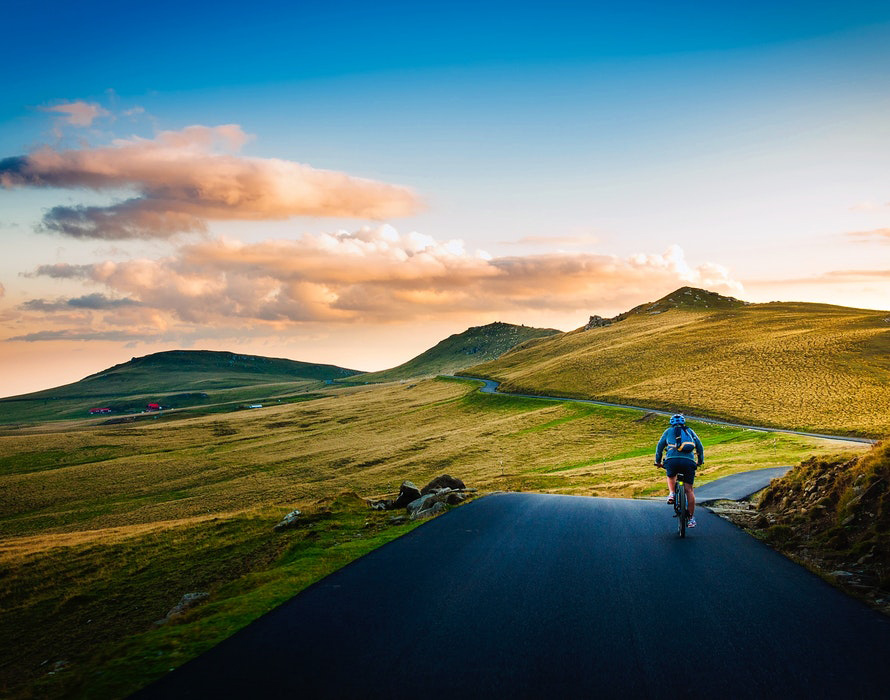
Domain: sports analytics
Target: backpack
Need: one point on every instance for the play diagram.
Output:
(684, 446)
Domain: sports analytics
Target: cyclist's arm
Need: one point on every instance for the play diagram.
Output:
(699, 450)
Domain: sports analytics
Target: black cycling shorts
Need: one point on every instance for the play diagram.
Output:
(678, 465)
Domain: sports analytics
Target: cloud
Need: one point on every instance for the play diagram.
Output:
(2, 290)
(554, 240)
(68, 334)
(878, 233)
(373, 275)
(868, 206)
(186, 178)
(78, 113)
(94, 302)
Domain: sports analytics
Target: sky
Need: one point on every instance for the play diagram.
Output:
(349, 183)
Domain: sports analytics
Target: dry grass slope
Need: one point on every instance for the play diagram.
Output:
(811, 367)
(103, 528)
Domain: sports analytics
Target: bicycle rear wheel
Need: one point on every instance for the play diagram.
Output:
(681, 509)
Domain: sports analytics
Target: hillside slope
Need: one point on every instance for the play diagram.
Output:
(787, 364)
(176, 378)
(832, 514)
(474, 345)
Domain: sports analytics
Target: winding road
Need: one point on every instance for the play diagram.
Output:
(534, 596)
(539, 596)
(491, 387)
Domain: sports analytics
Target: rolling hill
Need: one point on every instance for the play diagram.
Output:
(175, 379)
(458, 351)
(797, 365)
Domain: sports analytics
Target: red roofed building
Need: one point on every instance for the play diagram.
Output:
(154, 407)
(94, 411)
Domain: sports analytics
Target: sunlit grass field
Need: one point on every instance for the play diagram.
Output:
(104, 528)
(810, 367)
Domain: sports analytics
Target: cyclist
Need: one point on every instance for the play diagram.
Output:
(681, 442)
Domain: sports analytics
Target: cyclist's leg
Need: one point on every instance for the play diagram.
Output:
(672, 483)
(690, 499)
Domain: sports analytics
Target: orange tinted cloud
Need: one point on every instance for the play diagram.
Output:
(374, 275)
(78, 113)
(185, 179)
(878, 233)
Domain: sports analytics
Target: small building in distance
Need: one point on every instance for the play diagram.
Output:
(154, 407)
(255, 405)
(95, 411)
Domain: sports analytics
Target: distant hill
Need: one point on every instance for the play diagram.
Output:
(458, 351)
(174, 379)
(788, 364)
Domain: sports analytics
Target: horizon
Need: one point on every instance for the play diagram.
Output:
(368, 371)
(352, 184)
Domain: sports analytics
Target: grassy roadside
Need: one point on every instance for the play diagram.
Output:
(105, 592)
(103, 529)
(832, 515)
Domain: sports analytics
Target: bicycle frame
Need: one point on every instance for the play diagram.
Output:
(680, 508)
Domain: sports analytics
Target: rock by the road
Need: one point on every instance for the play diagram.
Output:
(419, 504)
(289, 521)
(444, 481)
(434, 509)
(408, 492)
(188, 601)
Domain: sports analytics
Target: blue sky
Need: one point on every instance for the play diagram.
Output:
(741, 146)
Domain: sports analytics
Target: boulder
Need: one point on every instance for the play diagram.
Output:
(385, 504)
(419, 504)
(444, 481)
(597, 322)
(434, 509)
(452, 498)
(408, 492)
(188, 601)
(290, 520)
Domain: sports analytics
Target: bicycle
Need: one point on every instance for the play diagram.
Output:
(681, 510)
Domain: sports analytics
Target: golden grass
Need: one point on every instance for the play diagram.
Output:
(143, 513)
(366, 440)
(809, 367)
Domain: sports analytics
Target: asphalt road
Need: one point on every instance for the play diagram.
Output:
(491, 387)
(737, 486)
(534, 596)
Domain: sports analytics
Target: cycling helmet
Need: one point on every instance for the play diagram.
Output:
(678, 419)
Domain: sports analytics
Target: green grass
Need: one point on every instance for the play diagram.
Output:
(247, 571)
(809, 367)
(168, 508)
(217, 381)
(474, 345)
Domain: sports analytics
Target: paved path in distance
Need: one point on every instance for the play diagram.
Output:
(491, 387)
(735, 487)
(535, 596)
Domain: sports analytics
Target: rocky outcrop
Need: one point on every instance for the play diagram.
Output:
(433, 503)
(408, 492)
(597, 322)
(434, 498)
(445, 481)
(433, 510)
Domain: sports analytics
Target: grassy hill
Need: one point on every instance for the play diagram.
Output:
(104, 527)
(175, 379)
(458, 351)
(807, 366)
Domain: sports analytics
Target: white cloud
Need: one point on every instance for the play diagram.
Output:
(373, 275)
